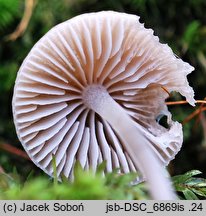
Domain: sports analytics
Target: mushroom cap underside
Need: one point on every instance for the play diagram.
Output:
(108, 49)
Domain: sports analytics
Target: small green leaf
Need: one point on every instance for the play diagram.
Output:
(183, 178)
(189, 185)
(189, 195)
(199, 192)
(54, 170)
(101, 167)
(64, 179)
(191, 32)
(197, 182)
(30, 176)
(192, 173)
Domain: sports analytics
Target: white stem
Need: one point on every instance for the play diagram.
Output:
(97, 98)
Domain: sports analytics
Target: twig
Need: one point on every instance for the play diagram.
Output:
(203, 121)
(198, 119)
(14, 150)
(193, 114)
(165, 90)
(184, 102)
(29, 6)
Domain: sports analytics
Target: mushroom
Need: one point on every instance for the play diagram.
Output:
(93, 89)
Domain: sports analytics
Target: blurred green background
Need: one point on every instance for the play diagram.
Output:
(179, 23)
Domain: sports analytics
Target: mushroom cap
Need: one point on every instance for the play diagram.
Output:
(108, 49)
